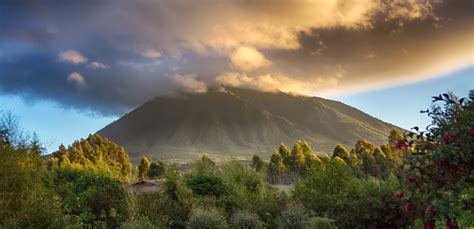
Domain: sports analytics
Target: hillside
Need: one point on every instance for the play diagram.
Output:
(238, 123)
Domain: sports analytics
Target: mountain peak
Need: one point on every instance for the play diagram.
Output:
(237, 122)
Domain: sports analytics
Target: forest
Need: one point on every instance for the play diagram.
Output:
(421, 178)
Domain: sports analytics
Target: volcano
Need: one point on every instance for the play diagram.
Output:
(238, 123)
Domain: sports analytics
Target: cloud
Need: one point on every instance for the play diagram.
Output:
(77, 79)
(322, 47)
(71, 56)
(248, 58)
(151, 53)
(98, 65)
(264, 82)
(189, 83)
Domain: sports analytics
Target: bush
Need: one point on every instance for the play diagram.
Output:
(336, 193)
(176, 201)
(439, 165)
(91, 199)
(320, 223)
(294, 216)
(206, 218)
(244, 219)
(207, 185)
(141, 223)
(27, 198)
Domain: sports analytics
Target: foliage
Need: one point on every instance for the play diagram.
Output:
(285, 166)
(90, 198)
(94, 154)
(438, 168)
(294, 216)
(157, 169)
(207, 185)
(244, 219)
(176, 201)
(353, 202)
(320, 223)
(143, 168)
(201, 218)
(142, 223)
(258, 164)
(341, 151)
(27, 197)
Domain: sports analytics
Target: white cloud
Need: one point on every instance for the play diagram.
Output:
(98, 65)
(71, 56)
(264, 82)
(248, 58)
(189, 83)
(151, 53)
(77, 79)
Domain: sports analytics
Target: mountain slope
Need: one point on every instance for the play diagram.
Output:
(239, 122)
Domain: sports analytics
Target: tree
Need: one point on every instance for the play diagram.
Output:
(144, 167)
(27, 197)
(297, 159)
(204, 167)
(341, 151)
(157, 169)
(91, 199)
(333, 191)
(96, 154)
(285, 154)
(258, 164)
(176, 200)
(276, 168)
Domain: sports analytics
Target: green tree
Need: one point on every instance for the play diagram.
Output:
(258, 164)
(156, 170)
(297, 159)
(176, 201)
(285, 154)
(276, 168)
(144, 167)
(27, 197)
(95, 154)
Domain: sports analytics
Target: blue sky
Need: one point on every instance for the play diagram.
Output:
(401, 105)
(398, 105)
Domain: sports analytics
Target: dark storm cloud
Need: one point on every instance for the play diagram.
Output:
(130, 52)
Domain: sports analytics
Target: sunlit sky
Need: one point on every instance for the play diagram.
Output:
(69, 68)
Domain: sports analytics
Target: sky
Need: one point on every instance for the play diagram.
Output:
(68, 68)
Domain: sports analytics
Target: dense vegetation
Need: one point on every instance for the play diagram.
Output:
(417, 179)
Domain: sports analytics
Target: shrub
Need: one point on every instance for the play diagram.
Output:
(320, 223)
(294, 216)
(176, 201)
(207, 185)
(336, 193)
(439, 165)
(141, 223)
(206, 218)
(27, 198)
(246, 220)
(90, 198)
